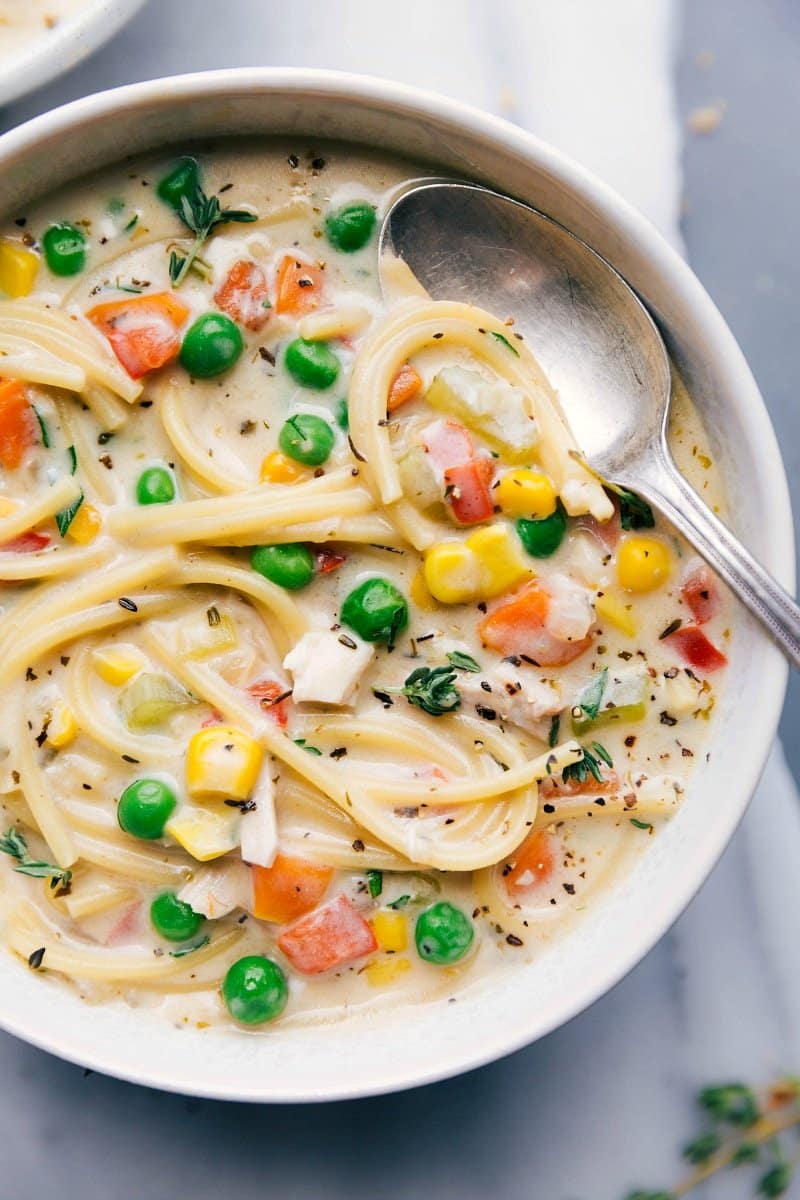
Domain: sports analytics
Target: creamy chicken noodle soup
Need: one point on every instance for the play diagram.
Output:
(330, 676)
(24, 23)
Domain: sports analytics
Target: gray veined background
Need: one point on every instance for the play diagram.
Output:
(490, 1133)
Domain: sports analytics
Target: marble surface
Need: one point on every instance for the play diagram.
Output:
(602, 1103)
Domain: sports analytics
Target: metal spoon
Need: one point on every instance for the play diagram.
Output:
(595, 341)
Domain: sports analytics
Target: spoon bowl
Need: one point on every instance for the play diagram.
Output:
(597, 344)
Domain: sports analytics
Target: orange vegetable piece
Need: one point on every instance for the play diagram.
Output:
(288, 889)
(143, 330)
(17, 423)
(244, 295)
(531, 864)
(328, 937)
(266, 692)
(518, 626)
(406, 385)
(299, 287)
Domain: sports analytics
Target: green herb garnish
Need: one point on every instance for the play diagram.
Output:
(375, 883)
(201, 214)
(432, 689)
(588, 765)
(745, 1130)
(499, 337)
(634, 513)
(13, 842)
(641, 824)
(183, 950)
(671, 628)
(43, 427)
(400, 902)
(591, 697)
(462, 662)
(311, 749)
(66, 516)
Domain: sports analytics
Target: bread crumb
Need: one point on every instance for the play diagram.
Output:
(706, 119)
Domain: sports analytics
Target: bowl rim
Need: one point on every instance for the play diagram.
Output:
(632, 227)
(73, 39)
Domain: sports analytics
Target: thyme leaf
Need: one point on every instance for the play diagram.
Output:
(13, 843)
(201, 214)
(433, 690)
(462, 662)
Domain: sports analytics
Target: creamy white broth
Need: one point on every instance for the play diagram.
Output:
(233, 422)
(23, 23)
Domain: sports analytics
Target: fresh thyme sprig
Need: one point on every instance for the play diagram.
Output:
(201, 214)
(588, 765)
(746, 1129)
(13, 842)
(433, 689)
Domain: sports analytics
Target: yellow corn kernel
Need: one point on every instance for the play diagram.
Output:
(279, 468)
(383, 971)
(85, 525)
(222, 763)
(609, 608)
(420, 594)
(18, 268)
(526, 494)
(643, 563)
(451, 573)
(501, 564)
(206, 831)
(62, 728)
(391, 930)
(7, 507)
(115, 665)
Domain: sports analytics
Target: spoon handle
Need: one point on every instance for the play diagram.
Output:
(666, 488)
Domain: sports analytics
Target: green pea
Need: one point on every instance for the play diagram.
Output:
(182, 180)
(349, 228)
(64, 249)
(155, 486)
(443, 934)
(311, 364)
(376, 610)
(307, 439)
(174, 919)
(542, 538)
(211, 345)
(254, 990)
(291, 565)
(145, 807)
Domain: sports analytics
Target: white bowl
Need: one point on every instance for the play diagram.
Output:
(394, 1049)
(60, 49)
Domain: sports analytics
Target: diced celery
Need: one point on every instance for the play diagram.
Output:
(213, 633)
(418, 480)
(150, 699)
(493, 408)
(624, 699)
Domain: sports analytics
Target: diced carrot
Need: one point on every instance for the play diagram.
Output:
(328, 937)
(406, 385)
(143, 330)
(244, 295)
(27, 543)
(299, 287)
(327, 560)
(468, 491)
(531, 863)
(288, 889)
(17, 423)
(518, 626)
(695, 649)
(266, 692)
(701, 593)
(554, 786)
(448, 443)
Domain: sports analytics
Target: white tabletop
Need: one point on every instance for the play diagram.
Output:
(602, 1104)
